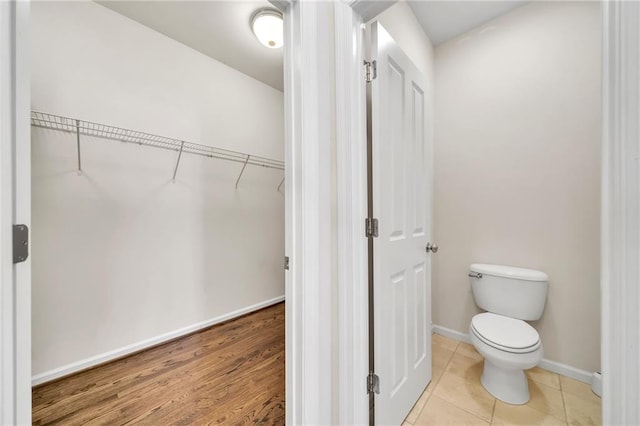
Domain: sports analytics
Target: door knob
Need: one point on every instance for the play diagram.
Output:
(433, 248)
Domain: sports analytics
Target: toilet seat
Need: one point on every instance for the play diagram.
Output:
(504, 333)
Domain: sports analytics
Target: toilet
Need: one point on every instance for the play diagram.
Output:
(508, 344)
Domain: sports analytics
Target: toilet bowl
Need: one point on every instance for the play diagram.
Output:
(507, 343)
(508, 346)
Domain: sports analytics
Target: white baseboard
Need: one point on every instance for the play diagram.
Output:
(84, 364)
(554, 367)
(452, 334)
(566, 370)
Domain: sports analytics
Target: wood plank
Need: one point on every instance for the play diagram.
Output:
(231, 373)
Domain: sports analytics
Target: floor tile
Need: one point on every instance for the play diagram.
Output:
(441, 355)
(455, 395)
(432, 385)
(465, 367)
(507, 414)
(441, 358)
(581, 412)
(468, 350)
(544, 377)
(582, 406)
(417, 408)
(546, 399)
(437, 411)
(578, 388)
(465, 394)
(444, 342)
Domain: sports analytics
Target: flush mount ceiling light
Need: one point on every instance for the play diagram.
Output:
(267, 27)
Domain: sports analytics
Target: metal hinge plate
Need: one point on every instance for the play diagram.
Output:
(370, 71)
(371, 227)
(286, 263)
(20, 243)
(373, 383)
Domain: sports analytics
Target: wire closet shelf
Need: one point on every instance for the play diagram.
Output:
(88, 128)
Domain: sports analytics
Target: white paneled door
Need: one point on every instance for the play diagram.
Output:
(401, 196)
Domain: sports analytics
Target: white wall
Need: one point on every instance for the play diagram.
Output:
(400, 21)
(121, 254)
(517, 175)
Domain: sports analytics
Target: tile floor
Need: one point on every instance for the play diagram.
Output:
(456, 397)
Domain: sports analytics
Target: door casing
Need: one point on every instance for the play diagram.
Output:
(15, 208)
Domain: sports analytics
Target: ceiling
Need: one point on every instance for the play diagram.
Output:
(219, 29)
(444, 20)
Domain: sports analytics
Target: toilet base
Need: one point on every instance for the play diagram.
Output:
(510, 386)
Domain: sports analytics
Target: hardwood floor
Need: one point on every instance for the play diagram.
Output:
(231, 373)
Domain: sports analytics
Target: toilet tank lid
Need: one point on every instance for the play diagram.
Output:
(509, 272)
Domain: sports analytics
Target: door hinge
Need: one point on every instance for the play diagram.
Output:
(370, 71)
(371, 227)
(286, 263)
(373, 383)
(20, 243)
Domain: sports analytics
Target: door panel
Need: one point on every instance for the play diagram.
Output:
(420, 320)
(398, 337)
(395, 94)
(418, 152)
(400, 198)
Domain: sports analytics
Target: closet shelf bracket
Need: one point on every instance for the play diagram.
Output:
(175, 171)
(242, 171)
(78, 147)
(281, 182)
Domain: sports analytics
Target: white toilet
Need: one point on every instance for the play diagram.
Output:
(508, 344)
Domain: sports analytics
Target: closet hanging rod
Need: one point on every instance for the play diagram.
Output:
(103, 131)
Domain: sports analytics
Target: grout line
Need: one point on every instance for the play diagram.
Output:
(422, 408)
(564, 404)
(493, 410)
(425, 403)
(444, 370)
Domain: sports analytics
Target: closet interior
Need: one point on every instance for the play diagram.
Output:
(157, 214)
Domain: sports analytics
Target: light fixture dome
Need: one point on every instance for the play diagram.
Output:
(268, 27)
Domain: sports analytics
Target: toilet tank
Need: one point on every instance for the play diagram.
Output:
(509, 291)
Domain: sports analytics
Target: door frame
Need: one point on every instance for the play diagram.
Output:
(325, 155)
(15, 208)
(351, 17)
(620, 213)
(352, 254)
(308, 176)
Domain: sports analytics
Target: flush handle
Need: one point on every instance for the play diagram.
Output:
(475, 274)
(433, 248)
